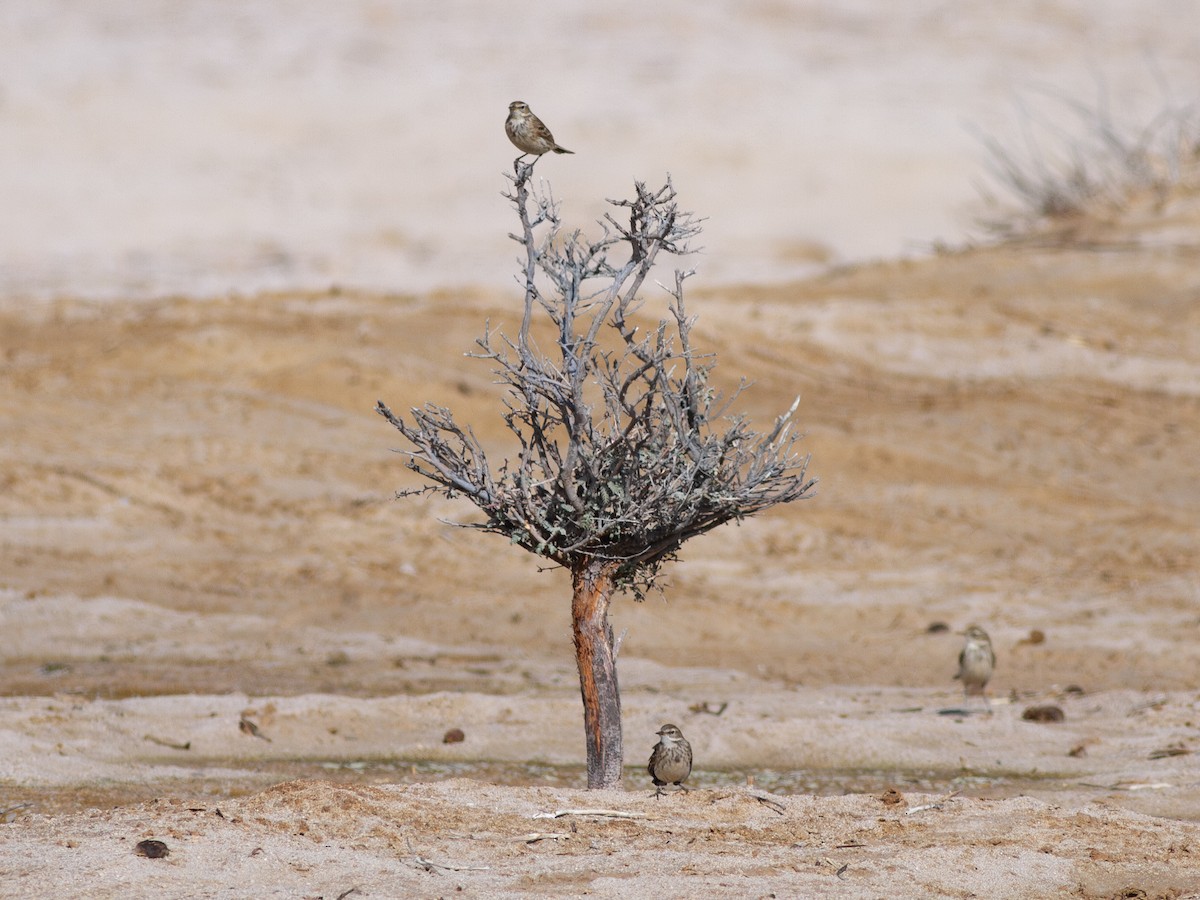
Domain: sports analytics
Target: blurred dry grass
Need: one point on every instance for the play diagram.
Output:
(1080, 161)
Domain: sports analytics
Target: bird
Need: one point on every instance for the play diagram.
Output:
(976, 663)
(671, 761)
(528, 133)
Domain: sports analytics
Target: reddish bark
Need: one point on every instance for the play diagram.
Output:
(592, 583)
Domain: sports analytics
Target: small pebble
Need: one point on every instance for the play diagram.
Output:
(1043, 714)
(152, 849)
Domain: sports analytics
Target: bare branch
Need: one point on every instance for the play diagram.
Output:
(625, 450)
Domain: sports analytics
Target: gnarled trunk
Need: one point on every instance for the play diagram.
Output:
(592, 582)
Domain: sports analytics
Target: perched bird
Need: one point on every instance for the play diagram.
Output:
(671, 761)
(527, 132)
(976, 663)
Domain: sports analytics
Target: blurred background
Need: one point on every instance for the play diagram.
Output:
(182, 146)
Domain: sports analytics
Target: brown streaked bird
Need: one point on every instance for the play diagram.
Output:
(528, 133)
(976, 663)
(671, 761)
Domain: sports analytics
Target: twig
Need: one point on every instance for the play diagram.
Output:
(1129, 786)
(839, 871)
(534, 836)
(610, 813)
(770, 803)
(429, 865)
(163, 742)
(1167, 752)
(913, 810)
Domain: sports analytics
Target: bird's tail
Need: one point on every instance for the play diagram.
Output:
(564, 150)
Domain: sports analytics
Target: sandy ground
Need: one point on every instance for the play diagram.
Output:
(222, 632)
(210, 590)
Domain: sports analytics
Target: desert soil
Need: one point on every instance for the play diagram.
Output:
(223, 632)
